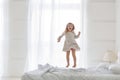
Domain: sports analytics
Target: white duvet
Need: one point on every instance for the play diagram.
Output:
(48, 72)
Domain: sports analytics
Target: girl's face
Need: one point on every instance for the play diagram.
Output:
(70, 27)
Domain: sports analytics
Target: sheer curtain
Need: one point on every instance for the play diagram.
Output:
(1, 34)
(47, 19)
(2, 40)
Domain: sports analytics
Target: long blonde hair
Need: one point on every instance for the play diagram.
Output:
(66, 29)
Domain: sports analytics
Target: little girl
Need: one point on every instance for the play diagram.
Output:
(70, 43)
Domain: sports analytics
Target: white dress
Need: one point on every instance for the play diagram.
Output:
(70, 41)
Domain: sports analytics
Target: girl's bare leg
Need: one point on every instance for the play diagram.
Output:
(67, 58)
(74, 57)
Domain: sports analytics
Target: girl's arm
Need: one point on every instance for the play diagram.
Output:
(76, 36)
(59, 38)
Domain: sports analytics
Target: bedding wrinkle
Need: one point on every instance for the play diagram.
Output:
(49, 72)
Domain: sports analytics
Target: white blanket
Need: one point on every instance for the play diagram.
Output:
(48, 72)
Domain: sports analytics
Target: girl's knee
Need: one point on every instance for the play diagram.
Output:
(72, 49)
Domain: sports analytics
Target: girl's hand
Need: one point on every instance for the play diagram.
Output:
(79, 33)
(58, 40)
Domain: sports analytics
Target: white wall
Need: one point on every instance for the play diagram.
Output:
(101, 29)
(118, 27)
(16, 43)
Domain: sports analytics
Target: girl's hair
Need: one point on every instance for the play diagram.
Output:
(66, 29)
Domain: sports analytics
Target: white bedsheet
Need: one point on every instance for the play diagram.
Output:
(49, 72)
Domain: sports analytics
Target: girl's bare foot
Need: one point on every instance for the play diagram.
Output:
(74, 66)
(67, 65)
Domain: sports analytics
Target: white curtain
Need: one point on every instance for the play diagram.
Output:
(1, 33)
(47, 19)
(2, 38)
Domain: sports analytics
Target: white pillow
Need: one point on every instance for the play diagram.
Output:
(115, 68)
(103, 65)
(46, 66)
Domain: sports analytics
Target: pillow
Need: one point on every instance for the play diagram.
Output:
(103, 65)
(115, 68)
(46, 66)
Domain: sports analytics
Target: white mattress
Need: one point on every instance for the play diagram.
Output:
(54, 73)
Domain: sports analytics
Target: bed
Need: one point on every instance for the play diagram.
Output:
(48, 72)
